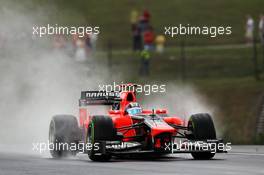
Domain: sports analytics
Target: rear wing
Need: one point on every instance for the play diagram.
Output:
(99, 98)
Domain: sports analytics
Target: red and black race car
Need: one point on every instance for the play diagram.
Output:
(129, 129)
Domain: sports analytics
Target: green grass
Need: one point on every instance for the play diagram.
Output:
(237, 102)
(201, 63)
(113, 16)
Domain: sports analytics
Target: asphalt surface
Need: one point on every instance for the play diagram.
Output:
(241, 160)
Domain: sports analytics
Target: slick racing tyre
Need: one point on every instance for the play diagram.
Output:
(202, 128)
(63, 133)
(100, 130)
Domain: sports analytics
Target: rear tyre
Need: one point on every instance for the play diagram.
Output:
(202, 127)
(63, 132)
(100, 130)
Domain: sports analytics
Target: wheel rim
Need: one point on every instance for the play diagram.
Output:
(52, 139)
(52, 133)
(90, 138)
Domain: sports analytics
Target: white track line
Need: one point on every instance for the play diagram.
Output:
(246, 154)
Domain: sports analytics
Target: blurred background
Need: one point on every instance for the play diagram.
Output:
(43, 76)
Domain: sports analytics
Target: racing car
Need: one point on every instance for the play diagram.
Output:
(128, 129)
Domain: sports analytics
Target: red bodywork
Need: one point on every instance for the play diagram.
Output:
(121, 119)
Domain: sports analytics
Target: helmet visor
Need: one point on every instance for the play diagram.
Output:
(134, 111)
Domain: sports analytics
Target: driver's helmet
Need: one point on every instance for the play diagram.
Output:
(133, 108)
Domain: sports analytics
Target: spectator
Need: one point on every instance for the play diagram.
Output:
(137, 38)
(145, 58)
(149, 38)
(88, 45)
(74, 41)
(160, 41)
(93, 40)
(87, 39)
(59, 42)
(249, 30)
(144, 20)
(261, 28)
(80, 54)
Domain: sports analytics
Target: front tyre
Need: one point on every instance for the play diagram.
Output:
(63, 132)
(202, 128)
(100, 130)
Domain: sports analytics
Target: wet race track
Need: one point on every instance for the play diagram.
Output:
(241, 160)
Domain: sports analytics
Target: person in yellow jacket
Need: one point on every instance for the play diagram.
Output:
(134, 17)
(160, 42)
